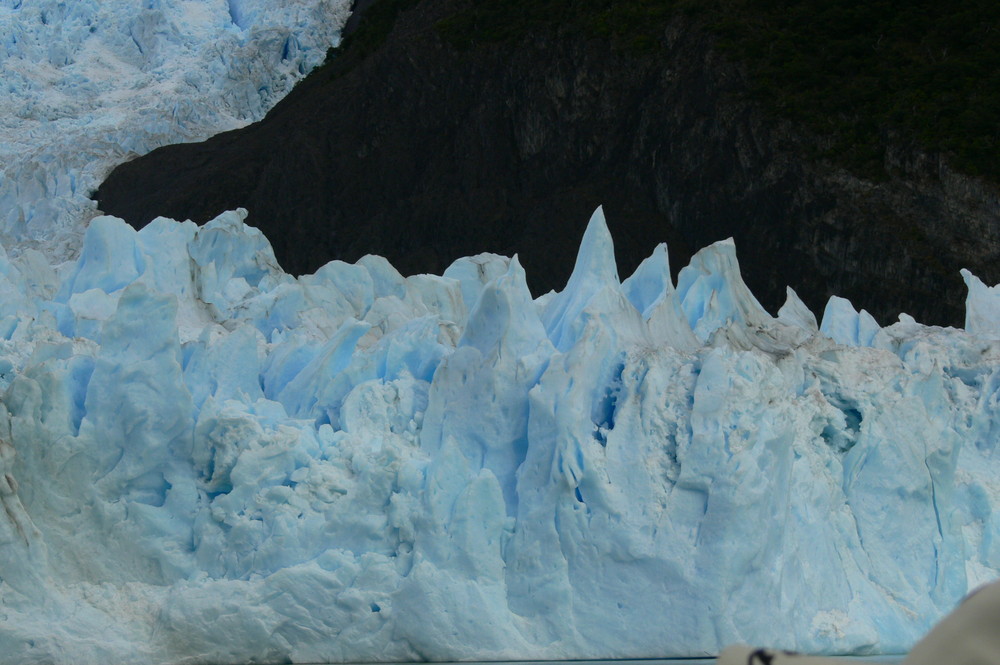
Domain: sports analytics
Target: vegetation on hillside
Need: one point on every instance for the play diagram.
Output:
(632, 25)
(855, 71)
(859, 73)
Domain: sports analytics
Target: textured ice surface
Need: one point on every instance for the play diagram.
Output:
(203, 459)
(86, 84)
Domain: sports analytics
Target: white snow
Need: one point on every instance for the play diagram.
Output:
(207, 460)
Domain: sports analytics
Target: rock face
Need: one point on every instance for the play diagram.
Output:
(423, 152)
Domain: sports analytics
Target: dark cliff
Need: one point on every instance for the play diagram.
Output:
(423, 148)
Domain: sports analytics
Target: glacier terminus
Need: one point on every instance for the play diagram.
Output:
(204, 459)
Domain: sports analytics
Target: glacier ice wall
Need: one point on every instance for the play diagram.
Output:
(203, 459)
(87, 84)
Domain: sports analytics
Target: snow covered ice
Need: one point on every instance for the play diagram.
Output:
(207, 460)
(86, 84)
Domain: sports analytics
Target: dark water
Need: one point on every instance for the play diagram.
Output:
(708, 660)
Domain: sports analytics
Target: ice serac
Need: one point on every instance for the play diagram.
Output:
(651, 281)
(794, 312)
(713, 295)
(844, 324)
(651, 291)
(204, 459)
(595, 271)
(982, 307)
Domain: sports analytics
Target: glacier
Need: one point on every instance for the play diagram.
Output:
(206, 460)
(88, 84)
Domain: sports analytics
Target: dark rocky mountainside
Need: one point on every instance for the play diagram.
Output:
(423, 149)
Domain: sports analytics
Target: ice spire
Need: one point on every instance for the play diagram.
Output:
(595, 270)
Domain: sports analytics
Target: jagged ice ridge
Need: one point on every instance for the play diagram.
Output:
(204, 459)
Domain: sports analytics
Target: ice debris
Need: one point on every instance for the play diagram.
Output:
(204, 459)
